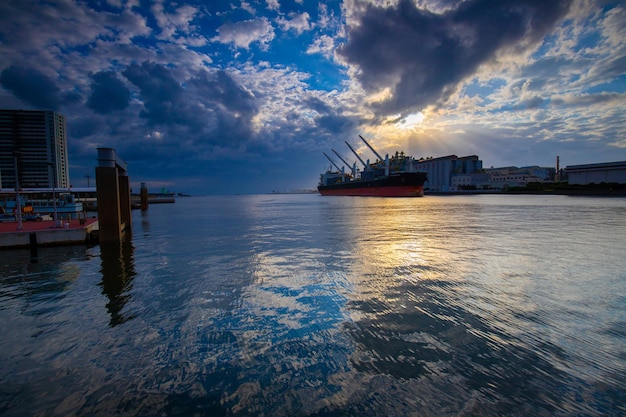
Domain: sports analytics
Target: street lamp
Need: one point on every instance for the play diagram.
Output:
(54, 195)
(88, 176)
(18, 202)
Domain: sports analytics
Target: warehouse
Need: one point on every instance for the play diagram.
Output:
(608, 172)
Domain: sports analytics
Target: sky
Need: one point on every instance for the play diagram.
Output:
(229, 97)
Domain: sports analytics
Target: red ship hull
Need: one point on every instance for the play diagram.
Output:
(405, 184)
(399, 191)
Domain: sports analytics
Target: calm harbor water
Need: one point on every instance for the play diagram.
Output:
(301, 305)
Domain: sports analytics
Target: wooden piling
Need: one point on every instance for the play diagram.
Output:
(33, 244)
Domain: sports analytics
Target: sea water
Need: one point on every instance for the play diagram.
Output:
(303, 305)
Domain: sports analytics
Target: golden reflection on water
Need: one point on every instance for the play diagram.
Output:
(397, 242)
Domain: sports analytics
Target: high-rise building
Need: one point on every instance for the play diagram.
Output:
(39, 141)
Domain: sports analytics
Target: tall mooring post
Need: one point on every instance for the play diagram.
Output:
(113, 194)
(144, 196)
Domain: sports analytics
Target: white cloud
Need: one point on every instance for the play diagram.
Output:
(242, 34)
(248, 8)
(298, 22)
(619, 143)
(324, 45)
(273, 5)
(323, 19)
(173, 23)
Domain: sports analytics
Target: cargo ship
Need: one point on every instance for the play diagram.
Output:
(389, 177)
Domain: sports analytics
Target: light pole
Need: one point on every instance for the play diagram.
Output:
(18, 202)
(54, 195)
(88, 176)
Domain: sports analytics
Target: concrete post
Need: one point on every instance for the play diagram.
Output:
(113, 194)
(144, 197)
(107, 191)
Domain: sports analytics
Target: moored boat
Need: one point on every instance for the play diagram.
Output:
(405, 184)
(389, 177)
(38, 203)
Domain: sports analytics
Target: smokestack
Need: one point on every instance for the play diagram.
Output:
(557, 176)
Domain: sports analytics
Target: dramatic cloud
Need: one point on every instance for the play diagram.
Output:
(222, 90)
(32, 87)
(108, 93)
(161, 94)
(212, 106)
(422, 56)
(230, 106)
(236, 97)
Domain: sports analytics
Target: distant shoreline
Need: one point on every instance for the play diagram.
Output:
(597, 190)
(591, 190)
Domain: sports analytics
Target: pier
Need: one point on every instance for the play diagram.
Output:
(45, 233)
(114, 218)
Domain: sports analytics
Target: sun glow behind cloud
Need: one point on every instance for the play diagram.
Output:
(411, 121)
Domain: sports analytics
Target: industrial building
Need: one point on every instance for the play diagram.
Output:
(507, 177)
(441, 170)
(33, 143)
(608, 172)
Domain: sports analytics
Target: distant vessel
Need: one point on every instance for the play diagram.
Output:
(388, 177)
(40, 202)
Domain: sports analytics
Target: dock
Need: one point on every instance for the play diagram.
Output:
(44, 233)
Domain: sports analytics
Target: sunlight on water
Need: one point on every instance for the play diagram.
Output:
(305, 305)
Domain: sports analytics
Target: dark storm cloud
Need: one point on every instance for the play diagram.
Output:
(212, 107)
(422, 56)
(108, 93)
(336, 123)
(318, 105)
(32, 87)
(162, 95)
(86, 126)
(228, 107)
(220, 88)
(328, 120)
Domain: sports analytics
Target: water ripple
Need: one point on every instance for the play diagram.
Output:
(302, 305)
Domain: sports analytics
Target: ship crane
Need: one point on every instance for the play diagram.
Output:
(380, 158)
(344, 161)
(356, 154)
(340, 157)
(333, 162)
